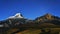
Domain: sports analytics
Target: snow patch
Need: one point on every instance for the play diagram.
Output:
(17, 15)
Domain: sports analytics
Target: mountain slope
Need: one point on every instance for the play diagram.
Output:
(48, 18)
(18, 24)
(18, 21)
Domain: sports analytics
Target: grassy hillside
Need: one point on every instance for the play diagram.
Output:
(34, 31)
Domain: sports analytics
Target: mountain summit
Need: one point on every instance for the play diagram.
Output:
(48, 16)
(17, 15)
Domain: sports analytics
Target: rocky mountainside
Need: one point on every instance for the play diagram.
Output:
(18, 23)
(48, 18)
(15, 20)
(19, 20)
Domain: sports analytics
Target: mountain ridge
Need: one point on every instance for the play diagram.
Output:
(11, 22)
(15, 25)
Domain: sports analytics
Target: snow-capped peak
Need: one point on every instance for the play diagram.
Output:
(17, 15)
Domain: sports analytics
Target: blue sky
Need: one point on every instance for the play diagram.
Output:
(30, 9)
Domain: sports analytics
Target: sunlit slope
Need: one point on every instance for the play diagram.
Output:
(35, 31)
